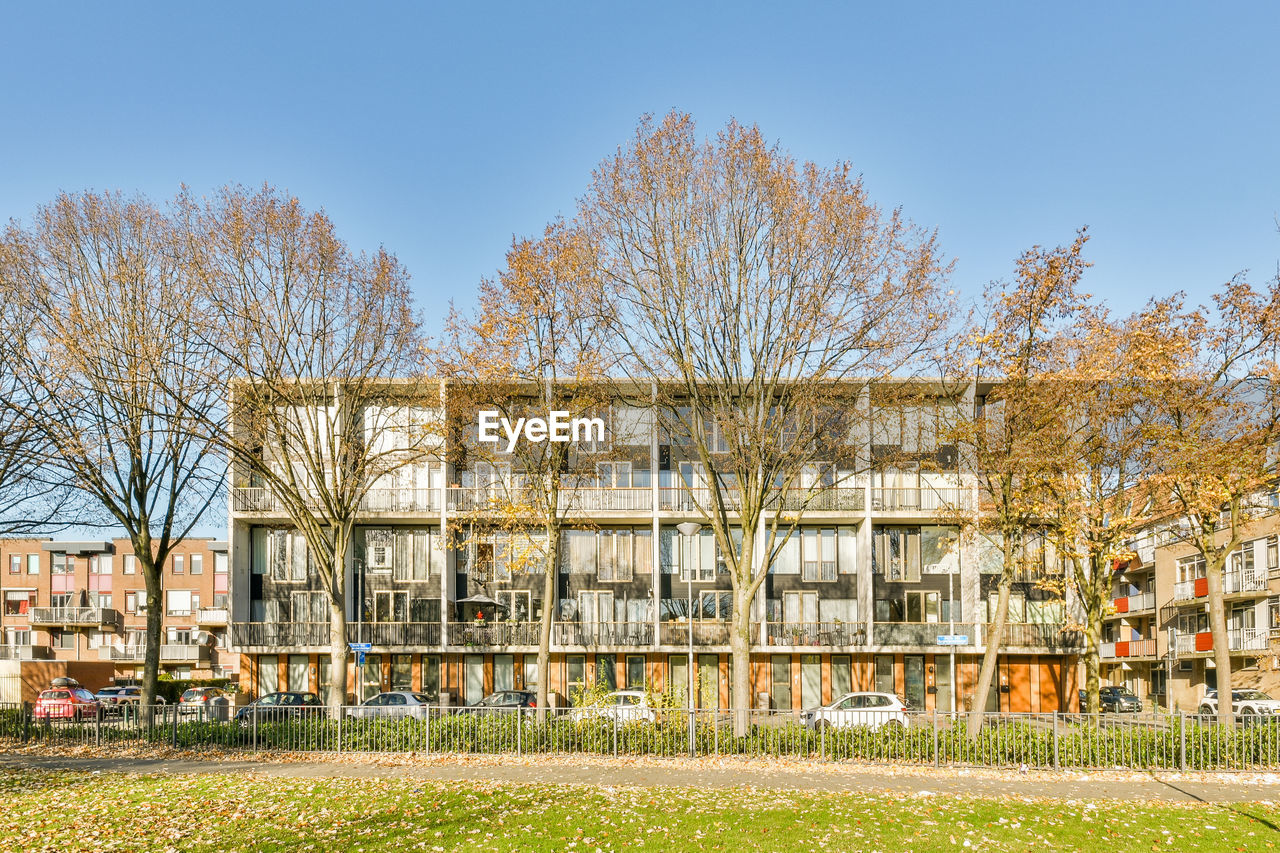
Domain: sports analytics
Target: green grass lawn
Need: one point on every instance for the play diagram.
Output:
(233, 812)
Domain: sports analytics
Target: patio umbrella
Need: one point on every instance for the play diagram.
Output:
(479, 598)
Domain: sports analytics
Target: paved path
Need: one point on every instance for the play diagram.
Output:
(920, 781)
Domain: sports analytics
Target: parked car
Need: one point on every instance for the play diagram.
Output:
(283, 705)
(625, 706)
(66, 703)
(1113, 699)
(393, 705)
(874, 710)
(1244, 702)
(502, 700)
(195, 700)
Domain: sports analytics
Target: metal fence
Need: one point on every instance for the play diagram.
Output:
(1036, 741)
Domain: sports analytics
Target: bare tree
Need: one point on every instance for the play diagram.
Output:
(114, 382)
(1213, 419)
(765, 296)
(326, 399)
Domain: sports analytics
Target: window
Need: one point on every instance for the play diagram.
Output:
(15, 564)
(219, 563)
(62, 639)
(1273, 608)
(17, 636)
(179, 564)
(19, 602)
(515, 602)
(100, 564)
(615, 561)
(896, 553)
(635, 672)
(179, 602)
(130, 564)
(1190, 568)
(33, 564)
(62, 564)
(578, 552)
(613, 475)
(197, 564)
(390, 606)
(1273, 555)
(401, 672)
(575, 674)
(379, 547)
(818, 554)
(130, 602)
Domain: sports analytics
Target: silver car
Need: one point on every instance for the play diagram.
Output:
(394, 705)
(625, 706)
(874, 710)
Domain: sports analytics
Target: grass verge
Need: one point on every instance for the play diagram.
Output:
(242, 812)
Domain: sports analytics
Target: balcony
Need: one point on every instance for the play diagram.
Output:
(1238, 640)
(253, 499)
(126, 654)
(26, 653)
(395, 634)
(211, 616)
(1191, 590)
(75, 616)
(602, 634)
(276, 635)
(401, 500)
(1037, 635)
(919, 499)
(920, 633)
(486, 634)
(844, 499)
(792, 634)
(1247, 580)
(1127, 649)
(607, 500)
(1134, 603)
(183, 653)
(705, 633)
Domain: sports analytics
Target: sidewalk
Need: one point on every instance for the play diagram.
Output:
(923, 781)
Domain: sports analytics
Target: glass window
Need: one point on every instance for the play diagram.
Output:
(197, 564)
(33, 564)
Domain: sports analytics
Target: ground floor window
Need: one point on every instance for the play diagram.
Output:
(431, 676)
(708, 681)
(268, 674)
(607, 672)
(530, 672)
(371, 677)
(780, 671)
(884, 674)
(810, 681)
(635, 672)
(473, 679)
(841, 676)
(504, 672)
(575, 678)
(678, 676)
(322, 678)
(402, 672)
(299, 673)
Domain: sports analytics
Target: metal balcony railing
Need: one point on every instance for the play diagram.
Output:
(921, 633)
(280, 634)
(602, 634)
(838, 634)
(1038, 635)
(1184, 590)
(1127, 649)
(401, 500)
(1252, 579)
(493, 634)
(395, 634)
(705, 633)
(75, 616)
(182, 652)
(919, 499)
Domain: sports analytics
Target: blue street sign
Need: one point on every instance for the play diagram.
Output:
(361, 647)
(953, 639)
(359, 658)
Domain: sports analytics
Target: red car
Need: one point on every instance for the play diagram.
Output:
(66, 703)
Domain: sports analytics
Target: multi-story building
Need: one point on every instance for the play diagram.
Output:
(86, 601)
(1158, 639)
(875, 590)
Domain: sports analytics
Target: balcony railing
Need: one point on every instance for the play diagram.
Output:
(75, 616)
(211, 616)
(253, 499)
(919, 499)
(606, 500)
(401, 500)
(1127, 649)
(122, 653)
(493, 634)
(829, 499)
(921, 633)
(1134, 603)
(182, 652)
(26, 653)
(602, 634)
(705, 633)
(1037, 635)
(1184, 590)
(1245, 580)
(280, 634)
(1238, 640)
(393, 634)
(814, 634)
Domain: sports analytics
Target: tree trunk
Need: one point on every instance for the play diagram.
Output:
(338, 653)
(549, 578)
(990, 657)
(1092, 676)
(740, 652)
(155, 601)
(1221, 639)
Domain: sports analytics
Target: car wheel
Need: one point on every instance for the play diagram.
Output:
(892, 726)
(1206, 711)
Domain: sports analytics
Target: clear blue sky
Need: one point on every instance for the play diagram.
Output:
(441, 131)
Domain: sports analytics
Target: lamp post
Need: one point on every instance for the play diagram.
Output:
(688, 530)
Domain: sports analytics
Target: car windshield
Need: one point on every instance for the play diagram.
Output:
(55, 694)
(1249, 694)
(422, 698)
(190, 694)
(110, 691)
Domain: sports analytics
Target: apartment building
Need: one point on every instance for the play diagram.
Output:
(1158, 641)
(86, 601)
(874, 591)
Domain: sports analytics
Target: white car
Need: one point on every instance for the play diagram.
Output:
(625, 706)
(395, 705)
(874, 710)
(1243, 702)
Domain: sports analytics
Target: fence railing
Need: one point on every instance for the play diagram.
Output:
(814, 634)
(277, 634)
(921, 499)
(923, 633)
(401, 500)
(75, 616)
(602, 634)
(1033, 741)
(493, 634)
(394, 633)
(25, 652)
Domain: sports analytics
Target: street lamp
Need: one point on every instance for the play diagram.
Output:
(688, 530)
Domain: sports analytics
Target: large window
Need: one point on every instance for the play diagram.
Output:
(896, 553)
(280, 554)
(19, 602)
